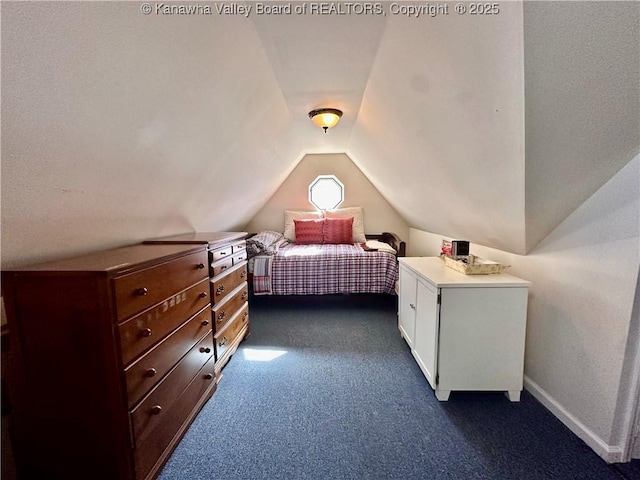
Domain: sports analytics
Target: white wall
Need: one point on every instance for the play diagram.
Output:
(584, 277)
(441, 126)
(628, 409)
(379, 216)
(582, 98)
(119, 126)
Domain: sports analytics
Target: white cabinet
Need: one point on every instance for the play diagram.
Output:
(466, 332)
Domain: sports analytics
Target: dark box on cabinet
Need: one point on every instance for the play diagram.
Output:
(459, 248)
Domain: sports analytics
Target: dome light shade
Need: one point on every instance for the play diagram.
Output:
(325, 118)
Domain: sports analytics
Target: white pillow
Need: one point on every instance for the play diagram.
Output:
(289, 226)
(358, 221)
(380, 246)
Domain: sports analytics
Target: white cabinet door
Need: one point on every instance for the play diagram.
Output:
(407, 305)
(425, 348)
(482, 332)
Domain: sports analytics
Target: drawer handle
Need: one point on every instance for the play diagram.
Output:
(244, 295)
(245, 315)
(142, 291)
(208, 376)
(221, 315)
(200, 266)
(223, 267)
(203, 294)
(150, 373)
(205, 323)
(146, 332)
(243, 273)
(219, 290)
(156, 409)
(205, 350)
(223, 253)
(223, 342)
(412, 306)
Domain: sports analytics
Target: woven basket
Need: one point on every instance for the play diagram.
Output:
(480, 266)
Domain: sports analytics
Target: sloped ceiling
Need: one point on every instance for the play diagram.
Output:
(119, 126)
(582, 103)
(321, 61)
(444, 123)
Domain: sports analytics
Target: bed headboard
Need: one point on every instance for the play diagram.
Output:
(392, 239)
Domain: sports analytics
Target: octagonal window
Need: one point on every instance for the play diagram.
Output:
(326, 192)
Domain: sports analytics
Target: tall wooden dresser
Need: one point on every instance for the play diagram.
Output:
(111, 358)
(227, 253)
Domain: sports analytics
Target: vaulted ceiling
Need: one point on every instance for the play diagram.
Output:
(492, 128)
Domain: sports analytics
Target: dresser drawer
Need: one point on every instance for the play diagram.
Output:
(223, 311)
(148, 370)
(153, 450)
(226, 337)
(224, 284)
(143, 331)
(238, 247)
(152, 411)
(138, 291)
(239, 257)
(220, 253)
(221, 265)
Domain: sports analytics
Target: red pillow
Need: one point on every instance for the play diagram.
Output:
(308, 231)
(338, 230)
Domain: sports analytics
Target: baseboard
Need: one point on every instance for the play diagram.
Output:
(609, 453)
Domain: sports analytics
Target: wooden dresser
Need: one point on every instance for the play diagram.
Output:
(227, 252)
(111, 358)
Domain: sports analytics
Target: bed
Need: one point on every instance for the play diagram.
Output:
(308, 259)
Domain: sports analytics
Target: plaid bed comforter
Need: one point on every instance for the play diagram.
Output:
(327, 269)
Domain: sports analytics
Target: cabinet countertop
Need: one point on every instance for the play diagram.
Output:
(437, 273)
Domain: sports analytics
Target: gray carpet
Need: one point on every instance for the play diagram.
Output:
(325, 388)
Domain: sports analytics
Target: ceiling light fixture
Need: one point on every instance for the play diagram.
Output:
(325, 118)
